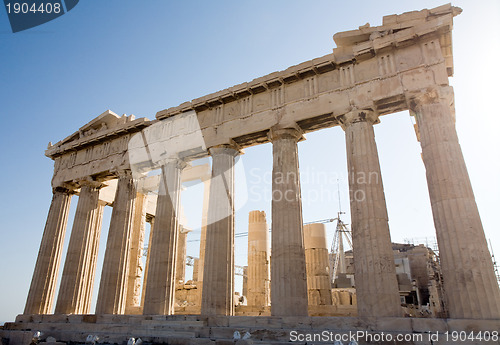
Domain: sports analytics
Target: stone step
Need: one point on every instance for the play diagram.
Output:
(181, 329)
(221, 338)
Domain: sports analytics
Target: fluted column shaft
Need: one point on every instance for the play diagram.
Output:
(470, 286)
(148, 256)
(180, 269)
(43, 284)
(258, 292)
(160, 288)
(77, 280)
(113, 285)
(204, 221)
(288, 263)
(218, 276)
(94, 251)
(376, 284)
(203, 240)
(135, 272)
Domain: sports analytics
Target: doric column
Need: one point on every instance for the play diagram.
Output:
(160, 289)
(218, 275)
(151, 221)
(90, 273)
(204, 222)
(196, 262)
(74, 293)
(203, 239)
(258, 294)
(470, 287)
(288, 263)
(133, 300)
(113, 285)
(317, 265)
(375, 274)
(180, 269)
(43, 284)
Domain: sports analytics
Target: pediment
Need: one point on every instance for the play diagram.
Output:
(105, 125)
(103, 122)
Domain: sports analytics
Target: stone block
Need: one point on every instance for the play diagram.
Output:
(75, 318)
(178, 341)
(224, 342)
(336, 323)
(23, 318)
(201, 341)
(269, 322)
(422, 325)
(393, 324)
(242, 321)
(55, 318)
(36, 318)
(203, 332)
(221, 332)
(297, 322)
(270, 334)
(218, 321)
(473, 325)
(244, 342)
(20, 337)
(89, 318)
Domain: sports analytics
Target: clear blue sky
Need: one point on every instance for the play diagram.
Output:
(138, 57)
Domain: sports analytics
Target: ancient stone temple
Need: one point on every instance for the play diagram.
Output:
(402, 65)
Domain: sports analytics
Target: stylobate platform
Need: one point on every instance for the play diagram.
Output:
(196, 329)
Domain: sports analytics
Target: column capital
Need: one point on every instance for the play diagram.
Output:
(358, 115)
(179, 163)
(176, 162)
(122, 173)
(228, 149)
(431, 95)
(276, 133)
(89, 182)
(65, 188)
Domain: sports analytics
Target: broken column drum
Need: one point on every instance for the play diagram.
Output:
(317, 265)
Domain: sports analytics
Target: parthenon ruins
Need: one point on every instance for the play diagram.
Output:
(402, 65)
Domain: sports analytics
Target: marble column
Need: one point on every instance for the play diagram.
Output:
(43, 284)
(94, 251)
(74, 295)
(113, 286)
(288, 263)
(135, 274)
(218, 275)
(470, 286)
(196, 262)
(375, 274)
(160, 288)
(151, 221)
(203, 239)
(204, 221)
(180, 269)
(258, 292)
(317, 265)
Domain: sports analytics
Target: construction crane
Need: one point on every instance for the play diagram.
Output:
(495, 266)
(338, 263)
(238, 270)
